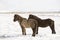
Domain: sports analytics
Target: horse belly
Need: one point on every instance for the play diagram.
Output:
(43, 25)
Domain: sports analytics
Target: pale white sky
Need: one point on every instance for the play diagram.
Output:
(30, 5)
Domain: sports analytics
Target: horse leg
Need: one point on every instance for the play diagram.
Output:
(37, 30)
(53, 29)
(34, 31)
(23, 31)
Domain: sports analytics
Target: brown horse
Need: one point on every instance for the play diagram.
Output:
(43, 23)
(24, 23)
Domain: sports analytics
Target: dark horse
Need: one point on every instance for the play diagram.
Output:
(24, 23)
(43, 23)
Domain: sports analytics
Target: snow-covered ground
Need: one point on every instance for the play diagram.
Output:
(10, 30)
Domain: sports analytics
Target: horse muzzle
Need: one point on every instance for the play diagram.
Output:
(14, 20)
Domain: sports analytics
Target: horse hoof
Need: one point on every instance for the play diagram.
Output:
(33, 35)
(24, 34)
(54, 33)
(36, 33)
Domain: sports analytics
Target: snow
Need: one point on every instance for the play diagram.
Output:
(10, 30)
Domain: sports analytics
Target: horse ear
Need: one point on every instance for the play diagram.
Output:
(15, 15)
(30, 14)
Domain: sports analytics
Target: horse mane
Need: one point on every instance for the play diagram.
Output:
(34, 17)
(18, 15)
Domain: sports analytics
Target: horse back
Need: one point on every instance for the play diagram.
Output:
(46, 22)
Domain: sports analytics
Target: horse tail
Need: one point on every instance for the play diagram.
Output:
(53, 27)
(52, 23)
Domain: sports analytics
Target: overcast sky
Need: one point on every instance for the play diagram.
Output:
(30, 5)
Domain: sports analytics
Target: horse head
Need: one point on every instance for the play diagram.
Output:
(17, 18)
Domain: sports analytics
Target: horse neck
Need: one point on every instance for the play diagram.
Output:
(37, 18)
(20, 19)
